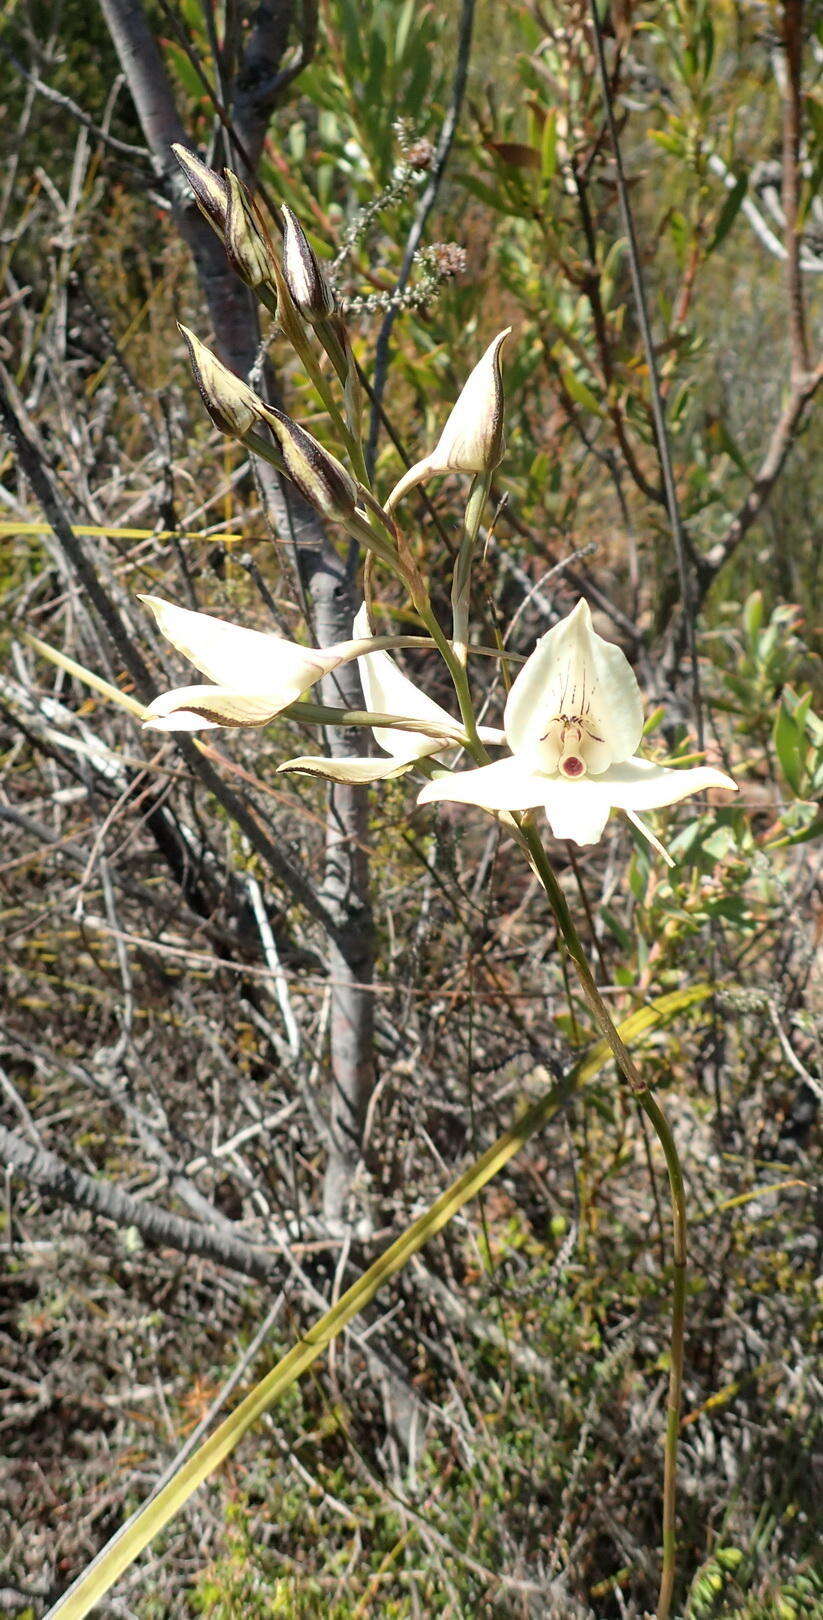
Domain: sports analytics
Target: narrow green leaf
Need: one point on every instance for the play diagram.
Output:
(729, 212)
(753, 616)
(787, 741)
(580, 391)
(548, 147)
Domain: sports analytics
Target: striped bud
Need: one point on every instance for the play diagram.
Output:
(247, 249)
(318, 475)
(233, 406)
(304, 278)
(210, 190)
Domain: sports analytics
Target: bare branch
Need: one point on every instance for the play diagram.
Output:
(792, 114)
(658, 408)
(262, 78)
(59, 1180)
(782, 439)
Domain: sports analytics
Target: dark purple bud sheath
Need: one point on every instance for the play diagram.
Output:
(210, 190)
(306, 282)
(248, 249)
(319, 476)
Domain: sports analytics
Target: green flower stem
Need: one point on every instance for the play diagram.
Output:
(130, 1540)
(460, 681)
(461, 580)
(321, 714)
(654, 1113)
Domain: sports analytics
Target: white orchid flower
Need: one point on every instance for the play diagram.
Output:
(472, 440)
(386, 690)
(573, 721)
(257, 674)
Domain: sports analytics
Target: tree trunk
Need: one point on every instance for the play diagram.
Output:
(346, 893)
(328, 583)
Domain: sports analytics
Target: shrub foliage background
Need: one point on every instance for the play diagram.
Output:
(488, 1442)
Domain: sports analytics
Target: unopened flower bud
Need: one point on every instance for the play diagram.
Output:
(318, 475)
(472, 440)
(305, 280)
(247, 248)
(210, 190)
(233, 406)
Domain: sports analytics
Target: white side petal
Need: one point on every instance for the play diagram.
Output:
(386, 690)
(345, 770)
(508, 784)
(243, 660)
(580, 809)
(573, 671)
(202, 708)
(639, 784)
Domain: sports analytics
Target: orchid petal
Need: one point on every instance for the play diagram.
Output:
(573, 672)
(580, 809)
(640, 784)
(346, 770)
(386, 690)
(576, 810)
(413, 476)
(508, 784)
(204, 708)
(472, 440)
(242, 660)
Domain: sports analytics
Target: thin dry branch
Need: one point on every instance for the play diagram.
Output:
(792, 30)
(783, 437)
(57, 1179)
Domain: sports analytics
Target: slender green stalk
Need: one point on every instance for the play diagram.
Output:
(460, 681)
(654, 1113)
(461, 580)
(321, 384)
(322, 714)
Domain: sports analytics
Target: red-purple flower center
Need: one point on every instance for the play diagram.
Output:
(572, 766)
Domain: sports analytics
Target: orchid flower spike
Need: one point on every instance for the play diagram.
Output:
(386, 690)
(472, 440)
(573, 722)
(257, 674)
